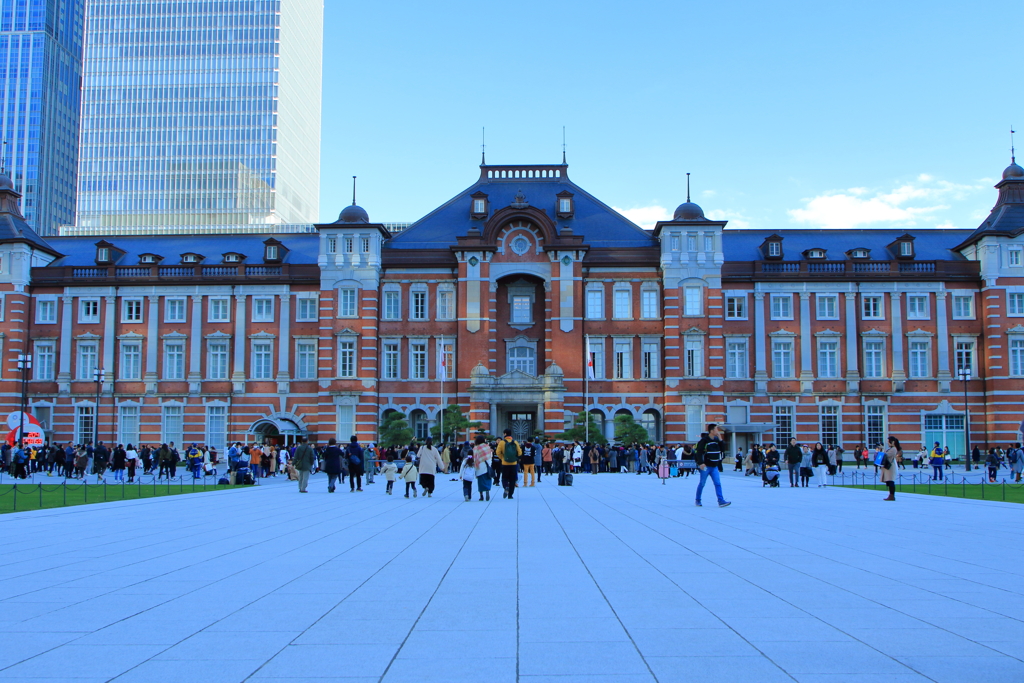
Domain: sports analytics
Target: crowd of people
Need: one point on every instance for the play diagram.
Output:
(124, 462)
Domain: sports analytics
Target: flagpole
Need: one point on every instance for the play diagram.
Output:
(444, 371)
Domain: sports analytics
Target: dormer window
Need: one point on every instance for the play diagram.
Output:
(816, 253)
(565, 204)
(190, 258)
(859, 253)
(903, 247)
(150, 259)
(775, 249)
(273, 251)
(103, 255)
(107, 253)
(906, 248)
(478, 206)
(232, 257)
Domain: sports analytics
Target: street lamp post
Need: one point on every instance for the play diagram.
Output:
(964, 373)
(97, 374)
(24, 364)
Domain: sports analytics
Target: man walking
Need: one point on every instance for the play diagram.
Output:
(529, 464)
(709, 460)
(302, 461)
(509, 451)
(793, 457)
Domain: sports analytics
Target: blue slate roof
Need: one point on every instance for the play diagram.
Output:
(929, 244)
(81, 251)
(600, 225)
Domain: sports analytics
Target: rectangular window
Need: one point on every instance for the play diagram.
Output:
(963, 307)
(418, 360)
(873, 359)
(828, 307)
(419, 305)
(651, 360)
(219, 311)
(128, 425)
(783, 424)
(828, 359)
(174, 360)
(332, 245)
(1015, 303)
(1014, 257)
(44, 360)
(262, 360)
(305, 360)
(597, 358)
(172, 424)
(649, 308)
(782, 359)
(709, 243)
(262, 309)
(595, 304)
(622, 304)
(347, 303)
(1017, 357)
(46, 311)
(217, 428)
(965, 358)
(906, 248)
(217, 360)
(347, 421)
(348, 245)
(828, 425)
(694, 422)
(131, 361)
(623, 359)
(347, 358)
(736, 308)
(917, 307)
(306, 309)
(521, 309)
(87, 361)
(174, 310)
(131, 311)
(391, 360)
(89, 310)
(920, 364)
(691, 242)
(782, 307)
(392, 305)
(871, 308)
(736, 359)
(364, 245)
(694, 351)
(85, 423)
(445, 304)
(775, 249)
(446, 365)
(692, 301)
(675, 243)
(874, 425)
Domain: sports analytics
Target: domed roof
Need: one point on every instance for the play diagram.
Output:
(353, 213)
(1013, 171)
(688, 211)
(5, 182)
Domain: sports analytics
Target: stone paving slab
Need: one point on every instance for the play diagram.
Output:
(618, 579)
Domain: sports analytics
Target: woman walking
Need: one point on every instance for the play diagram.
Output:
(118, 462)
(132, 460)
(819, 459)
(330, 462)
(430, 463)
(355, 465)
(482, 464)
(890, 463)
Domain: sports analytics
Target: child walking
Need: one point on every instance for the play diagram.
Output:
(409, 476)
(468, 477)
(390, 471)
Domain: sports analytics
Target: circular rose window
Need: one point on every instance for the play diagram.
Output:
(520, 245)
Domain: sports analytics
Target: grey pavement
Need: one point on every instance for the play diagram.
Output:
(616, 579)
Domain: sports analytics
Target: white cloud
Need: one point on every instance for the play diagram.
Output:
(736, 220)
(646, 216)
(904, 206)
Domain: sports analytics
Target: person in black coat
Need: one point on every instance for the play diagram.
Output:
(331, 463)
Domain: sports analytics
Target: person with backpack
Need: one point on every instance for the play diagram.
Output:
(709, 459)
(937, 462)
(992, 462)
(509, 452)
(355, 465)
(303, 461)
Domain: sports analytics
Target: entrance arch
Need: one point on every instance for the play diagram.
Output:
(278, 429)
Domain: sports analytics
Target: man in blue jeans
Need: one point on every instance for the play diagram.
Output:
(709, 458)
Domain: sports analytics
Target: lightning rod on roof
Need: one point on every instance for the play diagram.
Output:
(1013, 154)
(687, 187)
(483, 146)
(353, 190)
(563, 145)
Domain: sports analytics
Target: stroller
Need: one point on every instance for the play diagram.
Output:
(770, 476)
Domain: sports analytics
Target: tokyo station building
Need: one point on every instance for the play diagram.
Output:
(491, 302)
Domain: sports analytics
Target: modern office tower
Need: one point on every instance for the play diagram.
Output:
(200, 114)
(40, 73)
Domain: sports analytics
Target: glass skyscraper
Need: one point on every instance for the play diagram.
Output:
(200, 113)
(40, 72)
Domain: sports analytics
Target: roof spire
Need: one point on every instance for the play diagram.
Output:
(483, 146)
(687, 187)
(1013, 155)
(563, 145)
(3, 160)
(353, 190)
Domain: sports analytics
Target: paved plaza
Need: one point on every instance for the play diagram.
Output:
(619, 579)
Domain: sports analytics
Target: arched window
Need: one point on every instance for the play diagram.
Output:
(522, 358)
(651, 421)
(418, 422)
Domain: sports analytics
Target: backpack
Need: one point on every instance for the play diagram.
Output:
(1013, 456)
(512, 454)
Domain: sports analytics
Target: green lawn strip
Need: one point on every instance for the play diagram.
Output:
(1011, 493)
(30, 497)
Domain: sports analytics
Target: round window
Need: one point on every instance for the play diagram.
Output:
(520, 245)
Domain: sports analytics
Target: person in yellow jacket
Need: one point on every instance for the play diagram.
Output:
(510, 453)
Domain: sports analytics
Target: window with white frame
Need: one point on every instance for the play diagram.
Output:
(174, 310)
(871, 307)
(87, 358)
(346, 421)
(305, 359)
(217, 360)
(131, 310)
(650, 366)
(262, 309)
(692, 301)
(775, 249)
(622, 303)
(46, 311)
(1013, 257)
(965, 358)
(963, 307)
(782, 306)
(782, 358)
(131, 360)
(828, 425)
(649, 308)
(45, 352)
(597, 357)
(445, 304)
(595, 304)
(85, 423)
(917, 307)
(348, 244)
(736, 308)
(691, 242)
(174, 360)
(709, 242)
(307, 309)
(219, 310)
(828, 358)
(1016, 357)
(1015, 303)
(694, 422)
(446, 368)
(364, 245)
(347, 358)
(128, 425)
(736, 359)
(919, 357)
(172, 424)
(906, 248)
(418, 360)
(88, 310)
(693, 351)
(392, 304)
(332, 244)
(828, 306)
(392, 360)
(874, 425)
(522, 358)
(217, 427)
(418, 305)
(675, 242)
(623, 358)
(874, 354)
(347, 307)
(262, 359)
(522, 309)
(784, 424)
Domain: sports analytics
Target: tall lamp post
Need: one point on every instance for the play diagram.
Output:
(97, 375)
(964, 373)
(24, 364)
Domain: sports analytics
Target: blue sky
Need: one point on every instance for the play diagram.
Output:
(788, 114)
